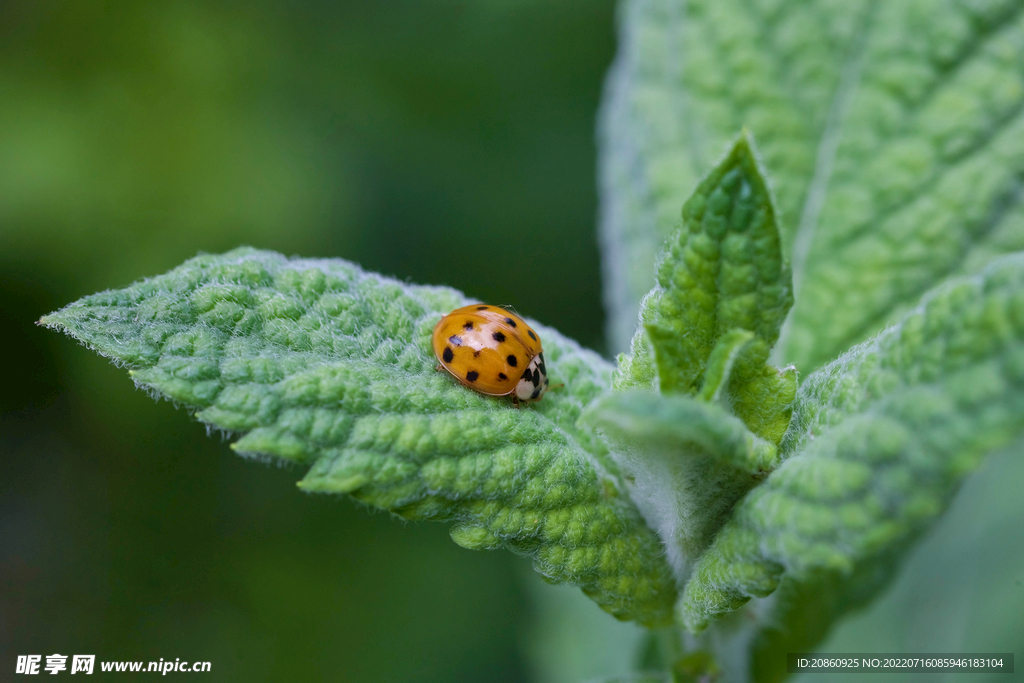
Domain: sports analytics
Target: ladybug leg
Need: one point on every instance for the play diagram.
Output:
(515, 401)
(438, 368)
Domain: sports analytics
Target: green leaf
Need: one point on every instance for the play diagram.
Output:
(723, 357)
(764, 399)
(894, 131)
(318, 363)
(761, 395)
(687, 462)
(880, 440)
(722, 287)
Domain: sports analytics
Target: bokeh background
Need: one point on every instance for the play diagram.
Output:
(445, 141)
(440, 141)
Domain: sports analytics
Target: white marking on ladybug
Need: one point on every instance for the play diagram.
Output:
(534, 381)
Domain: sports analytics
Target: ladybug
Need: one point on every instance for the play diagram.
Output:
(491, 351)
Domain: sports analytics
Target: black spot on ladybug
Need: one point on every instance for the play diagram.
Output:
(543, 368)
(468, 326)
(535, 379)
(472, 375)
(535, 394)
(512, 360)
(546, 381)
(476, 354)
(481, 308)
(498, 337)
(447, 356)
(502, 376)
(528, 375)
(532, 335)
(455, 339)
(510, 321)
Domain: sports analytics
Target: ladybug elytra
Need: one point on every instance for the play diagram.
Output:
(492, 351)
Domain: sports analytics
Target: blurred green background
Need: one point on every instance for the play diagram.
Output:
(446, 142)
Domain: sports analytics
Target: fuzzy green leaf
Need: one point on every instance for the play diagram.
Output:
(723, 357)
(880, 440)
(721, 277)
(319, 363)
(894, 132)
(687, 462)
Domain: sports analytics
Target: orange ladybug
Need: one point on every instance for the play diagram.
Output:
(491, 351)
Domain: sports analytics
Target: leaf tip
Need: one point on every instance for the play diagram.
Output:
(746, 138)
(52, 320)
